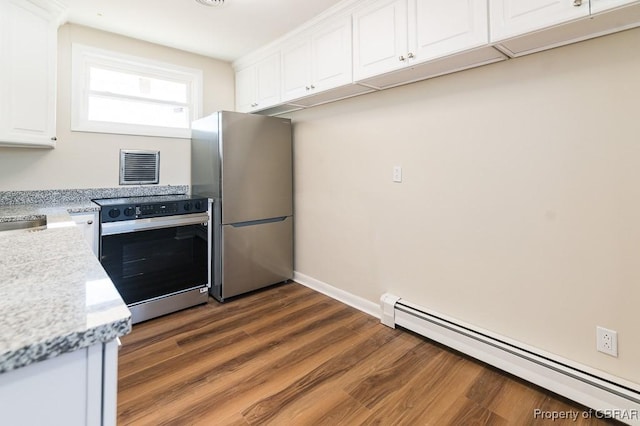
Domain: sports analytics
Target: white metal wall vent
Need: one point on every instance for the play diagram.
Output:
(138, 167)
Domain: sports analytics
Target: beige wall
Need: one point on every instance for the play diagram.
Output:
(91, 160)
(520, 206)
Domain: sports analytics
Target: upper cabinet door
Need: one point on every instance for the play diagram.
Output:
(296, 70)
(516, 17)
(331, 56)
(317, 62)
(28, 47)
(245, 89)
(602, 5)
(379, 38)
(258, 85)
(268, 81)
(441, 27)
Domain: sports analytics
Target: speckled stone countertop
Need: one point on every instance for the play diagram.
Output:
(54, 295)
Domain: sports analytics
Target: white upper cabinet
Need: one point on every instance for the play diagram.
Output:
(515, 17)
(317, 62)
(296, 70)
(390, 35)
(28, 48)
(331, 55)
(522, 27)
(438, 28)
(367, 45)
(258, 85)
(602, 5)
(380, 42)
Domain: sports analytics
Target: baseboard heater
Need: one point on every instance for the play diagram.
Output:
(604, 396)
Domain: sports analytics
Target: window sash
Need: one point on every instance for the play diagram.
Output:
(146, 75)
(85, 58)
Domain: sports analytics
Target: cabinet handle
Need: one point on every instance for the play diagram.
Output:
(53, 138)
(313, 87)
(577, 3)
(254, 105)
(89, 222)
(401, 58)
(307, 88)
(410, 55)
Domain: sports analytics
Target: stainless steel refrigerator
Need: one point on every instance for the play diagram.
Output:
(244, 163)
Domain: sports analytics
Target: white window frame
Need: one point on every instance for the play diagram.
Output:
(83, 57)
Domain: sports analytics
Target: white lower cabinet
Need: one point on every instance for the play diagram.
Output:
(89, 225)
(28, 48)
(73, 389)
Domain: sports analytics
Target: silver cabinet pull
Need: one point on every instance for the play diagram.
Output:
(89, 222)
(313, 87)
(577, 3)
(410, 55)
(53, 138)
(402, 58)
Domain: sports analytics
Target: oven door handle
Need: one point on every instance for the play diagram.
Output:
(137, 225)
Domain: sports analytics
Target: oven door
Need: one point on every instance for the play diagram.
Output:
(151, 258)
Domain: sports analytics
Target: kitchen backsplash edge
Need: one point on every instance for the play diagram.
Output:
(48, 196)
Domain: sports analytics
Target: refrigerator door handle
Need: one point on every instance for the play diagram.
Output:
(258, 222)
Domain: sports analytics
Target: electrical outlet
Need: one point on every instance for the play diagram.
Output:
(607, 341)
(397, 174)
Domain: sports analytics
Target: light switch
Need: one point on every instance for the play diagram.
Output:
(397, 174)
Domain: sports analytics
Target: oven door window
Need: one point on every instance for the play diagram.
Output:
(145, 265)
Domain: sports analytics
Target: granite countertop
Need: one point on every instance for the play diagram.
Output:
(54, 295)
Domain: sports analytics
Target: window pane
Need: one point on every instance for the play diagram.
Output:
(123, 83)
(136, 112)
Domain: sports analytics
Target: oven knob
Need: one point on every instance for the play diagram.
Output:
(198, 205)
(129, 211)
(113, 213)
(187, 206)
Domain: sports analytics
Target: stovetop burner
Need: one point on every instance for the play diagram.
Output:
(130, 208)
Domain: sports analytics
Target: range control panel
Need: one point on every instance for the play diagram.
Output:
(119, 209)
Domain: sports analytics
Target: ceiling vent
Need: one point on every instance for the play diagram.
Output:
(139, 167)
(211, 2)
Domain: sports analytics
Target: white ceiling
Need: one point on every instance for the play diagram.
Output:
(225, 32)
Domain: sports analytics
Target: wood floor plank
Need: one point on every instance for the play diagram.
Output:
(465, 411)
(291, 356)
(267, 408)
(132, 362)
(289, 352)
(212, 315)
(429, 393)
(385, 381)
(335, 402)
(244, 389)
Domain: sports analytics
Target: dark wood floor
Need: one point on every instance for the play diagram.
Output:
(291, 356)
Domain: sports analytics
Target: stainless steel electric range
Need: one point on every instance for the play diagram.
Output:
(156, 251)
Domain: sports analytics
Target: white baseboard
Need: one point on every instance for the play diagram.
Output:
(345, 297)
